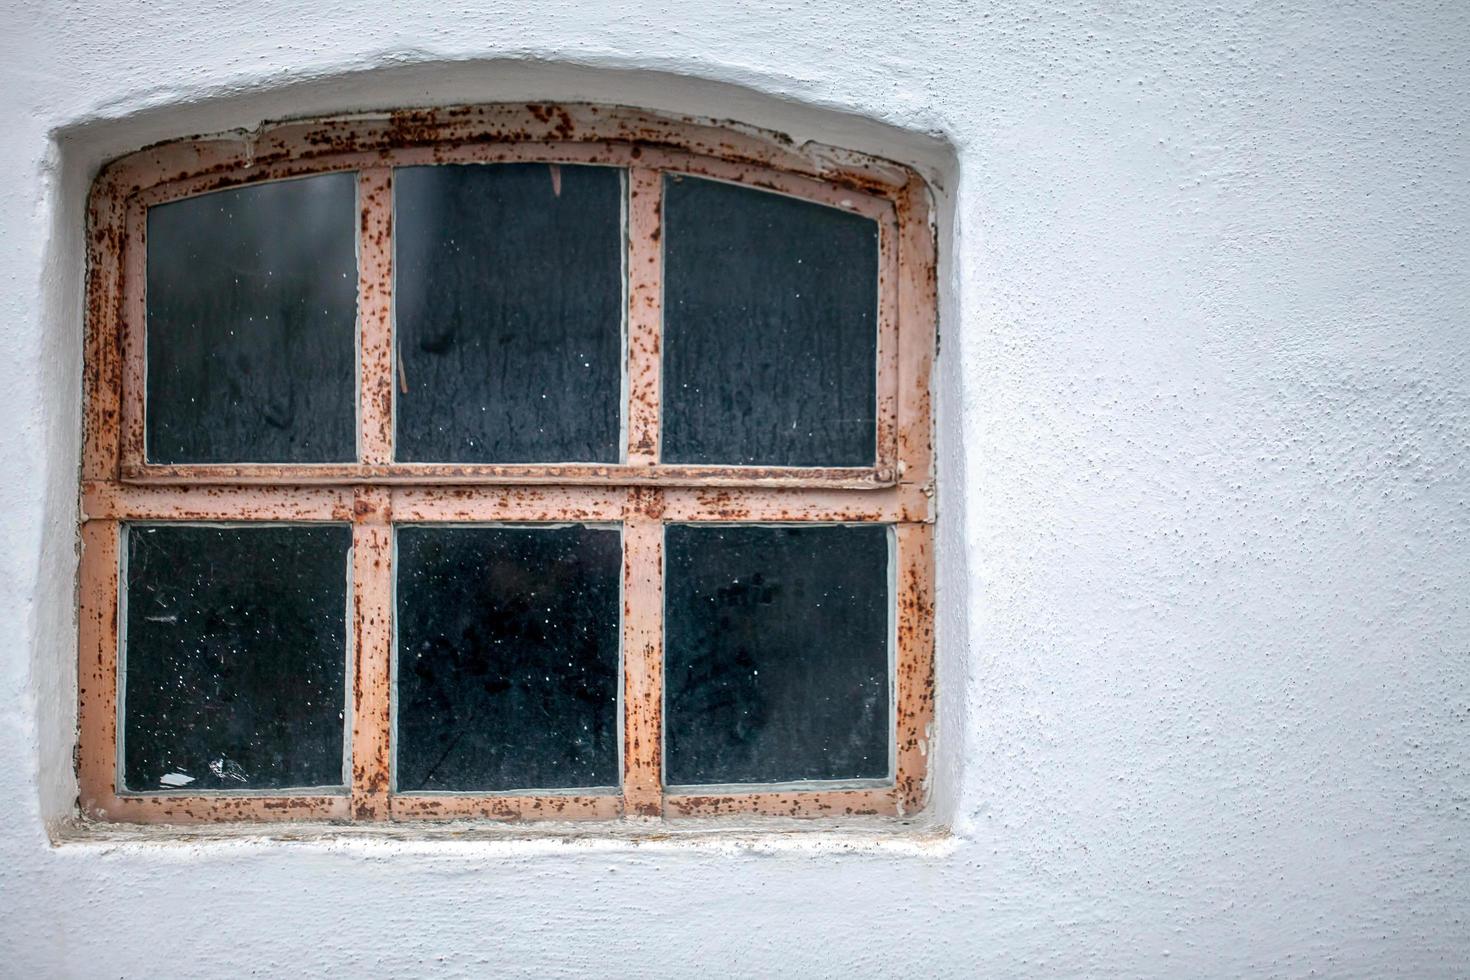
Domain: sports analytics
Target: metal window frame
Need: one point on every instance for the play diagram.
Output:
(375, 493)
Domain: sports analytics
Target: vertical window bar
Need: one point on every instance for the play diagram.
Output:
(134, 332)
(372, 645)
(915, 664)
(917, 309)
(643, 670)
(107, 284)
(888, 349)
(645, 312)
(97, 676)
(375, 358)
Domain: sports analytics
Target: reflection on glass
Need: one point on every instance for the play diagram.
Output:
(776, 653)
(770, 329)
(252, 301)
(234, 662)
(509, 299)
(507, 661)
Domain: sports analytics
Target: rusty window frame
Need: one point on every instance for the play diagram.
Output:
(374, 494)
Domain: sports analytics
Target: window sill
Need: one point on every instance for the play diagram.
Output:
(916, 837)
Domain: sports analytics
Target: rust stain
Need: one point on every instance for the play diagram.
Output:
(570, 474)
(505, 808)
(800, 805)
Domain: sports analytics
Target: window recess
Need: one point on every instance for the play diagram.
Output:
(535, 462)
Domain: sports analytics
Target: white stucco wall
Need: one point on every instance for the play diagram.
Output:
(1205, 493)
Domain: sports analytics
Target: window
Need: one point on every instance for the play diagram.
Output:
(537, 462)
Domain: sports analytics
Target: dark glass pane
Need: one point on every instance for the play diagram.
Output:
(252, 306)
(235, 656)
(770, 329)
(507, 657)
(509, 301)
(776, 653)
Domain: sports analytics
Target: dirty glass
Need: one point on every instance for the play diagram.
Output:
(507, 669)
(252, 305)
(776, 653)
(234, 656)
(509, 299)
(770, 329)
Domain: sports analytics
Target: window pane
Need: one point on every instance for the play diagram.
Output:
(508, 642)
(770, 329)
(776, 653)
(252, 305)
(509, 301)
(234, 664)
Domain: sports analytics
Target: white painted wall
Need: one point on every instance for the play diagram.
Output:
(1205, 382)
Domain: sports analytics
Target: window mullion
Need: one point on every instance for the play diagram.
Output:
(372, 634)
(643, 613)
(375, 316)
(645, 313)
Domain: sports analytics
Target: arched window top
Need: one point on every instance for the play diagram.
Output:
(646, 149)
(573, 133)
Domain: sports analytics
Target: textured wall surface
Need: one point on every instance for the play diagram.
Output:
(1205, 498)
